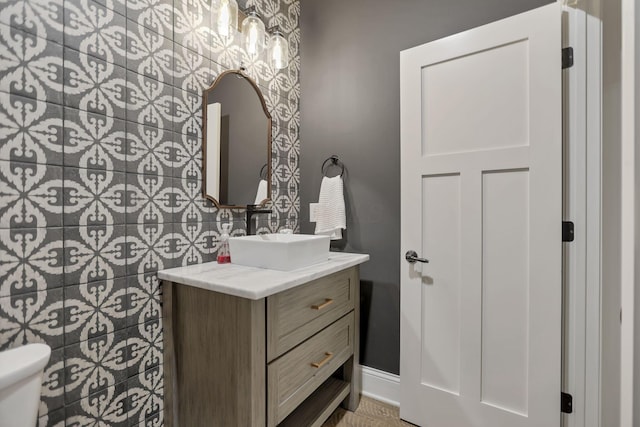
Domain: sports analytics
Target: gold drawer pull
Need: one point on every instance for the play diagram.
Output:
(327, 302)
(320, 364)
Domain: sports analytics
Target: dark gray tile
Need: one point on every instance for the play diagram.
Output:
(94, 309)
(156, 15)
(259, 70)
(282, 143)
(117, 6)
(187, 150)
(32, 261)
(209, 209)
(32, 66)
(155, 420)
(149, 199)
(291, 127)
(32, 193)
(32, 317)
(149, 245)
(149, 150)
(187, 113)
(237, 216)
(237, 224)
(32, 130)
(95, 30)
(174, 154)
(108, 407)
(52, 418)
(145, 396)
(211, 238)
(94, 197)
(149, 101)
(94, 85)
(192, 26)
(143, 294)
(285, 205)
(52, 396)
(41, 19)
(226, 55)
(189, 205)
(145, 346)
(94, 253)
(95, 365)
(94, 141)
(149, 53)
(192, 247)
(192, 72)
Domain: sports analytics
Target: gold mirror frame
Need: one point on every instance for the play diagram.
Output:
(205, 102)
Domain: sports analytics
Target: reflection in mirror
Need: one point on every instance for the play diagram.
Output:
(236, 142)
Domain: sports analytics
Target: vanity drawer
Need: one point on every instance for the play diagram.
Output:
(297, 374)
(297, 314)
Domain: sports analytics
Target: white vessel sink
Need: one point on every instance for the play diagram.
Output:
(279, 251)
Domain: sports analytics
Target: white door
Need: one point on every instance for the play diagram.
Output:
(481, 199)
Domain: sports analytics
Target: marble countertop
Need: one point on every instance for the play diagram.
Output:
(256, 283)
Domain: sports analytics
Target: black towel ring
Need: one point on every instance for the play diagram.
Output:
(263, 174)
(334, 162)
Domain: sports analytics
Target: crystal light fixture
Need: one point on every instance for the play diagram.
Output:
(227, 19)
(278, 49)
(253, 32)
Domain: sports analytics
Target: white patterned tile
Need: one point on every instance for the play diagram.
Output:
(128, 83)
(149, 150)
(31, 195)
(149, 250)
(94, 85)
(94, 253)
(32, 130)
(95, 30)
(43, 18)
(94, 141)
(149, 101)
(32, 318)
(94, 309)
(31, 260)
(149, 53)
(156, 15)
(94, 197)
(94, 365)
(145, 394)
(32, 65)
(107, 407)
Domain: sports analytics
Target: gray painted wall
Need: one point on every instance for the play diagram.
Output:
(350, 106)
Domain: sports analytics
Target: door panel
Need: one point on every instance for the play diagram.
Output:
(453, 124)
(505, 290)
(441, 300)
(481, 199)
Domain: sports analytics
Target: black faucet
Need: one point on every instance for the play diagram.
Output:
(251, 211)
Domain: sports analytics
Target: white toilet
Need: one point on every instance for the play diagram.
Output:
(21, 372)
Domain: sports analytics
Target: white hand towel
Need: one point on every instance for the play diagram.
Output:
(331, 215)
(261, 194)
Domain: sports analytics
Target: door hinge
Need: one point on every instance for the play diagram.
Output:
(567, 57)
(566, 403)
(567, 231)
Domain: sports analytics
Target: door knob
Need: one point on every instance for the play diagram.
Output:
(412, 257)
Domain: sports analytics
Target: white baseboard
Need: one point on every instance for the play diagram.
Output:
(380, 385)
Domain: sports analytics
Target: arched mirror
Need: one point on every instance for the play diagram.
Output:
(236, 129)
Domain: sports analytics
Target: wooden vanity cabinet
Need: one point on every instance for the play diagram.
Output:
(288, 359)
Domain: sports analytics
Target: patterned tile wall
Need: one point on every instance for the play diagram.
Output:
(100, 183)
